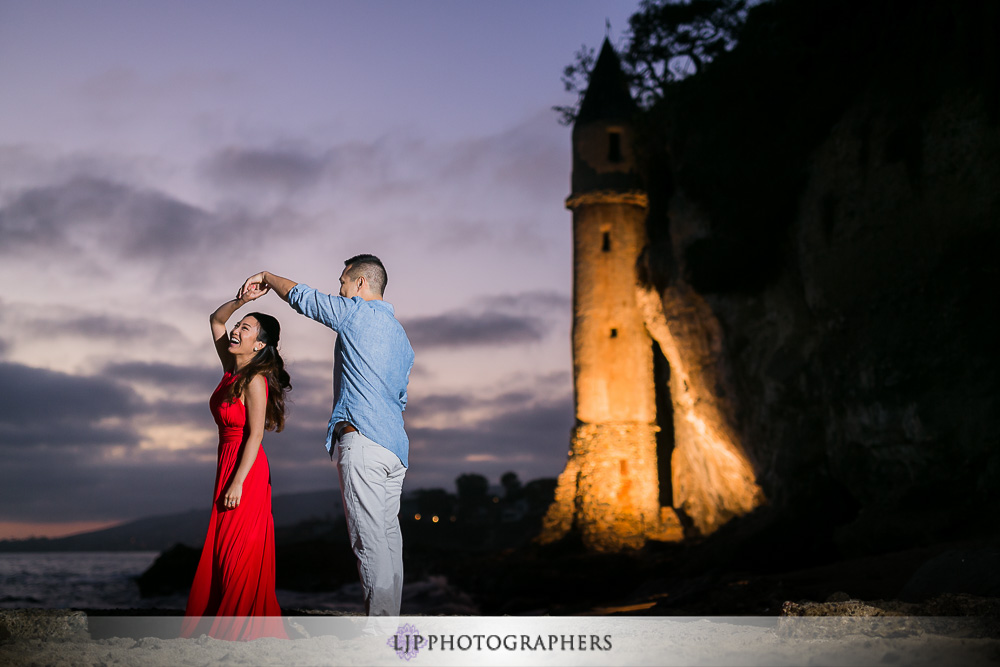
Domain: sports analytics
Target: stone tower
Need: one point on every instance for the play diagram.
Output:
(610, 489)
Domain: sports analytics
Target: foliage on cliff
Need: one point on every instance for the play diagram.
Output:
(665, 42)
(734, 101)
(740, 134)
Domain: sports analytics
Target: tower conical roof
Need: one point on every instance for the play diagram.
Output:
(607, 96)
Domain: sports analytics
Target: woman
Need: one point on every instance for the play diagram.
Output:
(234, 583)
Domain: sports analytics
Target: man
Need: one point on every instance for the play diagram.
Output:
(372, 364)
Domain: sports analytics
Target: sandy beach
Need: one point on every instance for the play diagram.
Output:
(454, 640)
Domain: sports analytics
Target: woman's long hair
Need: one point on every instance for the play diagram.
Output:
(266, 362)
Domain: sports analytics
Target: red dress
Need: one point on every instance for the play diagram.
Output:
(234, 584)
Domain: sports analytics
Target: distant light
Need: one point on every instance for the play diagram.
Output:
(434, 519)
(417, 517)
(495, 499)
(454, 519)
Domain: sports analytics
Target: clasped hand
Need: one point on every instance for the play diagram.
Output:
(253, 288)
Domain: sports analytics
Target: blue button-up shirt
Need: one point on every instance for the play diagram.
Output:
(372, 360)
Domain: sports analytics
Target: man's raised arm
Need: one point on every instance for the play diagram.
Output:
(265, 281)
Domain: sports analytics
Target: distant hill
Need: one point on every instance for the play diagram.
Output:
(157, 533)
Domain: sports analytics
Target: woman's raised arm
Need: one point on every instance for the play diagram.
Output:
(218, 319)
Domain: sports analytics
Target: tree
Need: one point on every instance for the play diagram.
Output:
(435, 502)
(665, 42)
(511, 485)
(472, 489)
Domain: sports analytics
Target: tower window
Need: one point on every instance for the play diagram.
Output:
(606, 242)
(614, 333)
(614, 146)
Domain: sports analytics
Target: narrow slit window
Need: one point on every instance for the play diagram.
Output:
(614, 146)
(614, 333)
(606, 242)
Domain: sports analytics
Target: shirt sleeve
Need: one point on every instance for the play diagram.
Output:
(324, 308)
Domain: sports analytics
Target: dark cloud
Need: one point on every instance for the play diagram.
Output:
(503, 320)
(536, 302)
(74, 487)
(135, 221)
(174, 412)
(101, 326)
(311, 378)
(524, 430)
(307, 402)
(133, 224)
(444, 404)
(458, 329)
(162, 374)
(285, 169)
(531, 440)
(47, 408)
(439, 403)
(55, 430)
(542, 417)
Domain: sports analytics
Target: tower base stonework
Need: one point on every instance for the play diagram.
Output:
(609, 491)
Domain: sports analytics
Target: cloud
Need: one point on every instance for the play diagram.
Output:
(189, 377)
(441, 403)
(55, 214)
(462, 329)
(101, 327)
(97, 216)
(180, 413)
(51, 409)
(531, 439)
(525, 429)
(307, 404)
(39, 486)
(501, 320)
(436, 405)
(59, 431)
(537, 302)
(70, 445)
(91, 211)
(286, 169)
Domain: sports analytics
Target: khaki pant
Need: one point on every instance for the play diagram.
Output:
(371, 481)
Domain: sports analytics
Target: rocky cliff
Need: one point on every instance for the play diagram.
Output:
(825, 205)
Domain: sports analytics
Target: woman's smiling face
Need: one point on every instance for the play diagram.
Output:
(243, 338)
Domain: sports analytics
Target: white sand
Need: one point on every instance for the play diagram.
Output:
(523, 640)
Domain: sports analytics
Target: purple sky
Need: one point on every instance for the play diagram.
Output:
(153, 155)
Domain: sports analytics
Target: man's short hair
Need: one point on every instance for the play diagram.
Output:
(371, 268)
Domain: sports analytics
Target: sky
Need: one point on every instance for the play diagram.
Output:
(155, 154)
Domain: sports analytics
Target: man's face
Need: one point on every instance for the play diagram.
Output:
(349, 287)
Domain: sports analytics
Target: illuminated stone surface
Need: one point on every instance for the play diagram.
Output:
(712, 479)
(610, 491)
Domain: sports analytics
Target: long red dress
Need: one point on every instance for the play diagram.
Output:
(234, 585)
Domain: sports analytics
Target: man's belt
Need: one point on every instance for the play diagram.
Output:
(345, 427)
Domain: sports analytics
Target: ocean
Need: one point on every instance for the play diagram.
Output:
(104, 580)
(75, 579)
